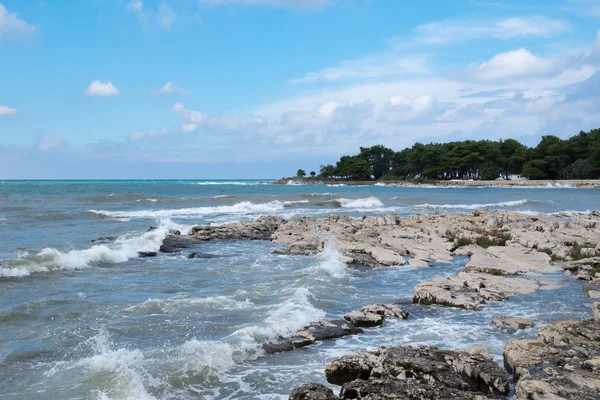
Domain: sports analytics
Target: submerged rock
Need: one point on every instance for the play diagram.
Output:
(145, 254)
(563, 362)
(173, 244)
(405, 372)
(201, 255)
(512, 324)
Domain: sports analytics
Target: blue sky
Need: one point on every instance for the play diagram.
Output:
(258, 88)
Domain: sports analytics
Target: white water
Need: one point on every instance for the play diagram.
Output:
(474, 206)
(368, 202)
(244, 207)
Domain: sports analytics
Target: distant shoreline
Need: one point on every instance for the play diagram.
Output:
(563, 183)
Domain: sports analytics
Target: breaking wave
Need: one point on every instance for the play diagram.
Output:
(244, 207)
(369, 202)
(513, 203)
(123, 249)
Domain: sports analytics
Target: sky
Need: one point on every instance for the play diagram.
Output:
(200, 89)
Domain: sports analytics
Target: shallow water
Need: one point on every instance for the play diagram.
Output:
(81, 321)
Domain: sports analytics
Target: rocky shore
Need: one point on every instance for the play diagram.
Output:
(509, 254)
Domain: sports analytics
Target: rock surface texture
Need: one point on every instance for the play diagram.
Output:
(406, 372)
(563, 362)
(512, 324)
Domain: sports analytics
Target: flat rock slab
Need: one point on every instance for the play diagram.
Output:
(511, 324)
(471, 290)
(500, 260)
(563, 362)
(406, 372)
(316, 331)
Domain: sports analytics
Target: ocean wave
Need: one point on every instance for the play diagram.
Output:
(368, 202)
(329, 261)
(244, 207)
(513, 203)
(185, 302)
(123, 249)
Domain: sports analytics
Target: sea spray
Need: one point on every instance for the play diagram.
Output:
(123, 249)
(329, 261)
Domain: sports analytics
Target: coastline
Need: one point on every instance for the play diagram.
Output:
(500, 183)
(510, 254)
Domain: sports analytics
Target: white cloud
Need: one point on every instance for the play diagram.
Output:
(47, 143)
(513, 64)
(135, 5)
(137, 135)
(11, 24)
(100, 89)
(305, 5)
(451, 31)
(170, 88)
(401, 109)
(6, 111)
(166, 16)
(374, 66)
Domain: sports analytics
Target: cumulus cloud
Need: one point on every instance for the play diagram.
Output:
(513, 64)
(170, 88)
(12, 25)
(310, 126)
(7, 111)
(100, 89)
(303, 5)
(402, 109)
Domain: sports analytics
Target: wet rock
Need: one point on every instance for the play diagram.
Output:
(152, 228)
(387, 310)
(596, 308)
(146, 254)
(103, 240)
(559, 363)
(262, 229)
(173, 244)
(174, 232)
(328, 330)
(201, 255)
(404, 371)
(313, 391)
(512, 324)
(364, 259)
(364, 318)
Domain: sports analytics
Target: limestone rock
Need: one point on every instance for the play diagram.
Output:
(512, 324)
(432, 372)
(364, 318)
(558, 364)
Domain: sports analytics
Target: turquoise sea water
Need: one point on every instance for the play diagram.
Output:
(83, 320)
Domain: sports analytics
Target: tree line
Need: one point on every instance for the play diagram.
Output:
(553, 158)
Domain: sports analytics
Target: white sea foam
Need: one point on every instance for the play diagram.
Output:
(124, 248)
(329, 261)
(182, 302)
(513, 203)
(244, 207)
(369, 202)
(123, 368)
(379, 184)
(283, 320)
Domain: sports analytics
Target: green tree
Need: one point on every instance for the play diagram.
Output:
(379, 158)
(535, 169)
(327, 171)
(313, 173)
(301, 173)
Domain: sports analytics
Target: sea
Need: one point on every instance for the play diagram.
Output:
(83, 317)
